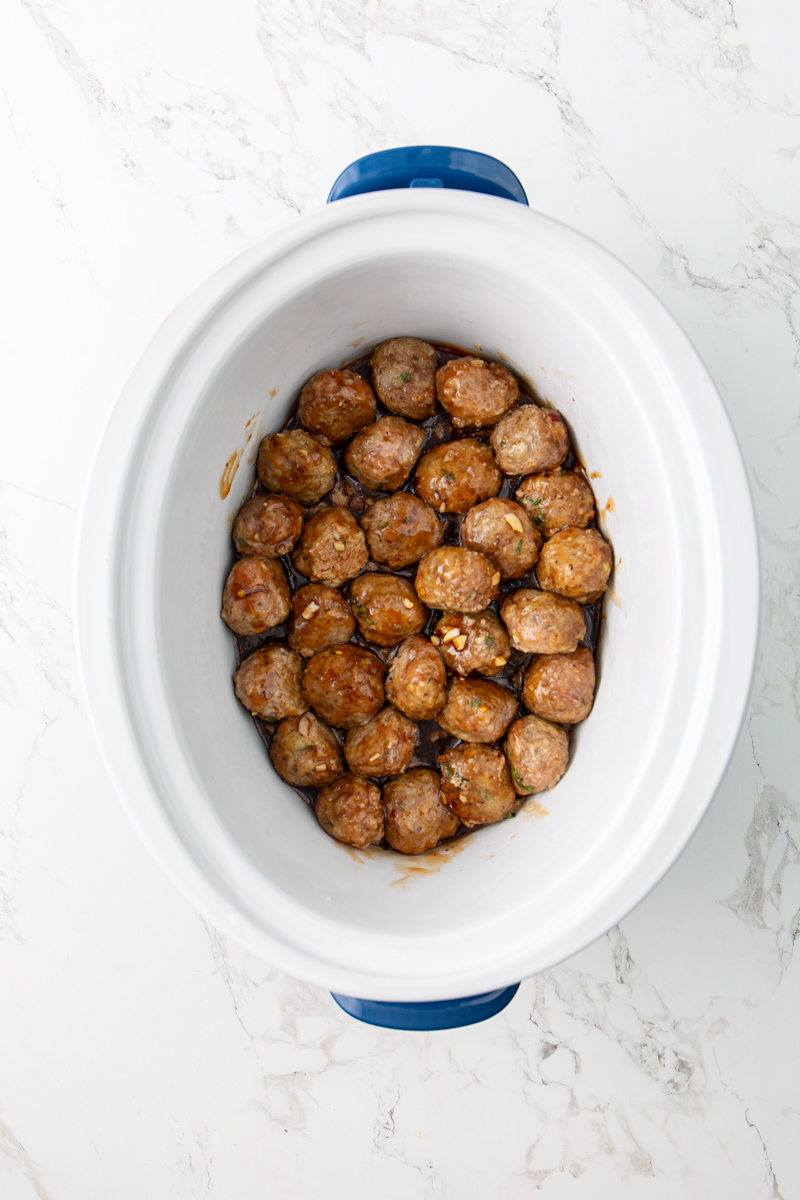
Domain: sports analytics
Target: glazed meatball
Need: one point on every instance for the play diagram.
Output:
(382, 456)
(476, 785)
(417, 679)
(332, 548)
(336, 404)
(505, 534)
(401, 529)
(540, 623)
(344, 685)
(455, 475)
(295, 463)
(530, 439)
(475, 392)
(350, 811)
(256, 596)
(320, 617)
(477, 710)
(468, 644)
(404, 376)
(386, 607)
(560, 687)
(537, 753)
(384, 746)
(456, 579)
(270, 683)
(576, 563)
(415, 820)
(556, 499)
(305, 752)
(268, 526)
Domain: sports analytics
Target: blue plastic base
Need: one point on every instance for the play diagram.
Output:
(431, 1014)
(428, 166)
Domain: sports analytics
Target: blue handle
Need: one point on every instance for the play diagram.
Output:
(428, 166)
(432, 1014)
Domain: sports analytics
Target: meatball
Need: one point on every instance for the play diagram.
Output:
(556, 499)
(268, 526)
(478, 643)
(332, 547)
(560, 687)
(530, 439)
(475, 392)
(386, 607)
(384, 746)
(305, 752)
(336, 404)
(476, 785)
(320, 617)
(541, 623)
(417, 679)
(350, 811)
(344, 685)
(295, 463)
(256, 596)
(505, 534)
(537, 753)
(456, 579)
(404, 376)
(415, 820)
(477, 710)
(576, 563)
(270, 683)
(401, 529)
(455, 475)
(382, 455)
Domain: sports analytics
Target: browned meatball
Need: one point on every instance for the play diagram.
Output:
(475, 392)
(537, 753)
(456, 579)
(320, 618)
(336, 404)
(384, 746)
(560, 687)
(332, 547)
(350, 811)
(270, 683)
(404, 376)
(556, 499)
(382, 455)
(530, 439)
(576, 563)
(401, 529)
(541, 623)
(386, 607)
(268, 526)
(468, 644)
(505, 534)
(475, 784)
(305, 752)
(415, 820)
(295, 463)
(256, 596)
(417, 679)
(477, 710)
(454, 476)
(345, 685)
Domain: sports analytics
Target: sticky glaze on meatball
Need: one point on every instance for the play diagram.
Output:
(415, 820)
(530, 439)
(384, 746)
(386, 607)
(382, 456)
(560, 687)
(456, 579)
(541, 623)
(350, 811)
(344, 685)
(256, 596)
(320, 617)
(468, 643)
(332, 547)
(537, 753)
(270, 683)
(455, 475)
(417, 679)
(476, 785)
(555, 499)
(576, 563)
(305, 752)
(404, 377)
(268, 526)
(336, 404)
(475, 392)
(296, 464)
(401, 529)
(503, 532)
(477, 710)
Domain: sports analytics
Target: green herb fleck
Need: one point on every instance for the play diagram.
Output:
(242, 542)
(519, 547)
(448, 475)
(521, 782)
(475, 704)
(327, 821)
(490, 639)
(362, 613)
(563, 472)
(307, 747)
(406, 521)
(405, 377)
(487, 795)
(509, 815)
(385, 525)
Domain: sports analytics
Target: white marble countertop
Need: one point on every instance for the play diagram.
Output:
(142, 1054)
